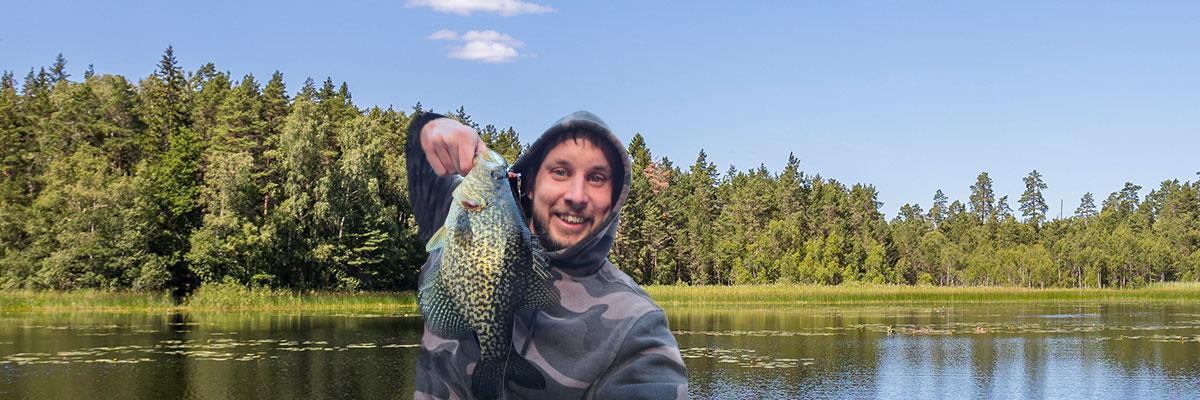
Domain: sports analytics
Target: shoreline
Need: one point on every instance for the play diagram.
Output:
(234, 298)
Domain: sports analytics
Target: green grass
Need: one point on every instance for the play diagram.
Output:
(83, 300)
(237, 298)
(218, 298)
(233, 297)
(879, 294)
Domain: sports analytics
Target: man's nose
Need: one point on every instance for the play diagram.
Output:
(575, 193)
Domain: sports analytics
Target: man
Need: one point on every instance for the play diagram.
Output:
(606, 339)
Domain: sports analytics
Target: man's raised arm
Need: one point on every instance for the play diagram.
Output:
(439, 151)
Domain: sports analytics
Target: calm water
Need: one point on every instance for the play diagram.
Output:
(1116, 351)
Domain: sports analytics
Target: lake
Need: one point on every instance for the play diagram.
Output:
(1004, 350)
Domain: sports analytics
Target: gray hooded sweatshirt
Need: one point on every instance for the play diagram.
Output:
(608, 340)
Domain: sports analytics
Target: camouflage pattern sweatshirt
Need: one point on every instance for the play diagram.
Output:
(607, 340)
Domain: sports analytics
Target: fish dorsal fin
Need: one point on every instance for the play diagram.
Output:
(541, 262)
(540, 292)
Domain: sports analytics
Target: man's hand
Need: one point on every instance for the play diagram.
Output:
(450, 146)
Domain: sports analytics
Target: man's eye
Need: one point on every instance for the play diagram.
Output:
(558, 172)
(598, 178)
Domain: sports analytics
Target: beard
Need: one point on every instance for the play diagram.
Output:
(548, 242)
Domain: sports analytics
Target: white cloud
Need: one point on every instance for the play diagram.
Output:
(488, 52)
(491, 36)
(483, 46)
(505, 8)
(444, 34)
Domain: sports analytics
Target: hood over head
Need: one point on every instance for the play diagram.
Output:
(589, 254)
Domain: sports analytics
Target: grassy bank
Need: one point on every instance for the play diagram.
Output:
(228, 297)
(219, 298)
(83, 300)
(878, 294)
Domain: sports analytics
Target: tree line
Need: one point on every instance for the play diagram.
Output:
(691, 225)
(185, 178)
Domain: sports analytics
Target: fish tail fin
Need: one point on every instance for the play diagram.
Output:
(524, 373)
(487, 381)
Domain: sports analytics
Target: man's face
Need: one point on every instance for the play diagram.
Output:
(572, 193)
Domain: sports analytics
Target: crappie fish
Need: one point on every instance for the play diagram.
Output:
(491, 266)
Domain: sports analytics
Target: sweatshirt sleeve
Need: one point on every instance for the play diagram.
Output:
(429, 193)
(647, 365)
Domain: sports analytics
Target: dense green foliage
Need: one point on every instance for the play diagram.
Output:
(755, 227)
(191, 178)
(187, 179)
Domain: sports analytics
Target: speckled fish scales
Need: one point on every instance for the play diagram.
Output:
(491, 266)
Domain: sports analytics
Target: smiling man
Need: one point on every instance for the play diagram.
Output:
(606, 339)
(573, 189)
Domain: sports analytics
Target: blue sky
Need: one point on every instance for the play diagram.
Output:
(908, 96)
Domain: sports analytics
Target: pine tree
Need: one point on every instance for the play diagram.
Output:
(12, 150)
(13, 199)
(937, 211)
(308, 91)
(701, 209)
(35, 108)
(911, 212)
(58, 72)
(505, 142)
(1002, 211)
(164, 104)
(274, 113)
(1087, 206)
(168, 178)
(238, 124)
(76, 122)
(982, 198)
(630, 249)
(1123, 202)
(1032, 204)
(209, 88)
(119, 124)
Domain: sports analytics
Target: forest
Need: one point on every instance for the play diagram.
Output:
(184, 178)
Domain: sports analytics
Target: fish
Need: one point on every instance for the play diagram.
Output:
(491, 267)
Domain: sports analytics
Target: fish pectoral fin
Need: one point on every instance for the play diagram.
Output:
(441, 317)
(438, 240)
(462, 228)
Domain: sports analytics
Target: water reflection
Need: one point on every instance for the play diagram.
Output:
(973, 351)
(212, 356)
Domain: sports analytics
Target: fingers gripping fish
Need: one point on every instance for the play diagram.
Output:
(491, 266)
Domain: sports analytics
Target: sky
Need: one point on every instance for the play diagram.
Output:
(910, 97)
